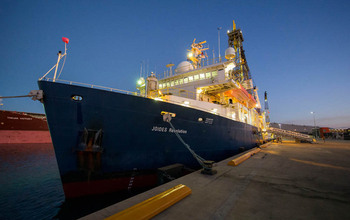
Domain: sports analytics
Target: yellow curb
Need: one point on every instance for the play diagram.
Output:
(153, 206)
(244, 157)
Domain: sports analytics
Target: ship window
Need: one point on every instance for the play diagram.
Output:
(164, 85)
(77, 98)
(196, 77)
(202, 76)
(168, 84)
(177, 82)
(181, 81)
(190, 78)
(172, 83)
(215, 73)
(208, 75)
(161, 86)
(185, 80)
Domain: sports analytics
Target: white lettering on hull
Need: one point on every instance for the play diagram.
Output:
(165, 129)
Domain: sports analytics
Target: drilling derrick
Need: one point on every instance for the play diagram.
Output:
(242, 73)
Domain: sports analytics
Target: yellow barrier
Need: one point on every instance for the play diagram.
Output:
(244, 157)
(153, 206)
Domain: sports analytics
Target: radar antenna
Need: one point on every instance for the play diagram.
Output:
(196, 54)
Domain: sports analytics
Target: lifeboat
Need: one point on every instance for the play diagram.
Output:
(242, 96)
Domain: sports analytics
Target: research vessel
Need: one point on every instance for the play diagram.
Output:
(108, 139)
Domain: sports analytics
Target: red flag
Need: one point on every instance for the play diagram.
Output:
(66, 40)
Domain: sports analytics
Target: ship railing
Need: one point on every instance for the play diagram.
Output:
(173, 91)
(91, 86)
(208, 62)
(203, 63)
(159, 94)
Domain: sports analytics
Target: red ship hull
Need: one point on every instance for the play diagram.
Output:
(20, 127)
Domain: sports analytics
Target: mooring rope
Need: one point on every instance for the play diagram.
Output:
(18, 96)
(196, 156)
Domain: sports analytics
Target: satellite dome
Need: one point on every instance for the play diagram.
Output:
(184, 66)
(230, 53)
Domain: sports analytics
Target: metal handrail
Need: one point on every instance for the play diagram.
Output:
(202, 64)
(173, 91)
(290, 133)
(154, 94)
(91, 86)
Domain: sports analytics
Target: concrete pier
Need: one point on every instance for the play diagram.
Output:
(282, 181)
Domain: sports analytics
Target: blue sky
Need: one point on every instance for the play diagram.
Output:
(297, 51)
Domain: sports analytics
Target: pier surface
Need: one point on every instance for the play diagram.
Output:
(282, 181)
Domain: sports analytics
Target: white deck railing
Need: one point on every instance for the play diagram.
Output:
(90, 86)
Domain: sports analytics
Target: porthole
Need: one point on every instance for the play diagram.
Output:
(77, 98)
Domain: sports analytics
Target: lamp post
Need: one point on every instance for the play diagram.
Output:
(313, 114)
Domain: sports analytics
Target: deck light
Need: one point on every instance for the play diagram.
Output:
(186, 103)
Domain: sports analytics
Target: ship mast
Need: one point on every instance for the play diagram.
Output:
(196, 53)
(60, 56)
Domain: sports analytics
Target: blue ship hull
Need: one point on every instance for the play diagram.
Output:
(135, 140)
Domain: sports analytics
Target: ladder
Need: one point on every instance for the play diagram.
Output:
(285, 133)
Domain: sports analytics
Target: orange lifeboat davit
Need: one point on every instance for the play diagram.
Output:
(242, 96)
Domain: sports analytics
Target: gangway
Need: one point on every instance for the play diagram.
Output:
(291, 134)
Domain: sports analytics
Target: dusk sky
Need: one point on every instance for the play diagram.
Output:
(297, 51)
